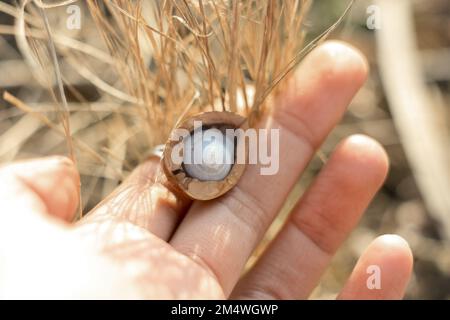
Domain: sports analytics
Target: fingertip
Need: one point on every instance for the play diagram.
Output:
(394, 256)
(348, 57)
(320, 90)
(58, 185)
(395, 249)
(367, 157)
(54, 179)
(391, 240)
(382, 272)
(371, 148)
(340, 60)
(58, 160)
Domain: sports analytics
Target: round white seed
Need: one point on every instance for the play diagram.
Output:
(208, 155)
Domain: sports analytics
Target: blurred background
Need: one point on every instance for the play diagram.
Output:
(404, 105)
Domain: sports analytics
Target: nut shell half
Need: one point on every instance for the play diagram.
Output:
(178, 179)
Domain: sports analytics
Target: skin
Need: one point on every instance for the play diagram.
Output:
(145, 242)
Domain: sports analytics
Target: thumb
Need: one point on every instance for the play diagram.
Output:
(46, 185)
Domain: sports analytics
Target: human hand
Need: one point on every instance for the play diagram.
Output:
(144, 242)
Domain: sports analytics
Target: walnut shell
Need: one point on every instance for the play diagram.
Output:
(196, 189)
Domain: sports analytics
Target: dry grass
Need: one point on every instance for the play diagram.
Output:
(138, 67)
(151, 63)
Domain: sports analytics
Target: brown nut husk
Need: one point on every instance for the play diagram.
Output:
(180, 181)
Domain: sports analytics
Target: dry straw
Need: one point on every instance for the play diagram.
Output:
(137, 68)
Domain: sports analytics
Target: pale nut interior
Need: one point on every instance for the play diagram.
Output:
(208, 155)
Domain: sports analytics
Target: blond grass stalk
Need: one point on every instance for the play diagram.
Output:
(158, 62)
